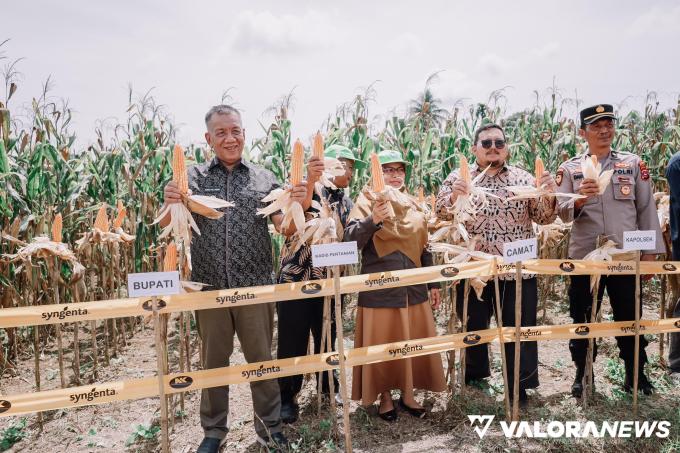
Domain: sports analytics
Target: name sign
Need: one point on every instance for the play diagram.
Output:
(153, 284)
(335, 254)
(525, 249)
(639, 240)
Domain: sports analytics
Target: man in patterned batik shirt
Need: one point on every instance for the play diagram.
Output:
(499, 222)
(298, 318)
(233, 252)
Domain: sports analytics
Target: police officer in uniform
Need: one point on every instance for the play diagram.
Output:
(627, 204)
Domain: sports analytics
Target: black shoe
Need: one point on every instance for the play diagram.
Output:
(275, 443)
(644, 385)
(211, 445)
(389, 416)
(414, 412)
(289, 412)
(523, 398)
(577, 386)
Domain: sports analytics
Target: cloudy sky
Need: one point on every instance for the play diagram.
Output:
(189, 53)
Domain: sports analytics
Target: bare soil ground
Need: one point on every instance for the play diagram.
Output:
(133, 425)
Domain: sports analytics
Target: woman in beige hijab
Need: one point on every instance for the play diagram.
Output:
(389, 243)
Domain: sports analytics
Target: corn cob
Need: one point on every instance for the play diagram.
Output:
(102, 220)
(120, 217)
(377, 180)
(433, 203)
(170, 259)
(179, 169)
(593, 158)
(464, 171)
(421, 194)
(56, 228)
(317, 147)
(296, 163)
(539, 169)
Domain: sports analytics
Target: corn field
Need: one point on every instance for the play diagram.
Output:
(44, 174)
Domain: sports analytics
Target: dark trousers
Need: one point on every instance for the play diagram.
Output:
(674, 351)
(621, 291)
(479, 316)
(297, 319)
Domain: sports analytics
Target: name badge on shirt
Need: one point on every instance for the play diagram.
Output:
(211, 189)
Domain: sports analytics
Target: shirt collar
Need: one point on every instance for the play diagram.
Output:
(475, 167)
(243, 164)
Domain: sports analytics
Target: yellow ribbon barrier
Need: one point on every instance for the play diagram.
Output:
(189, 381)
(118, 308)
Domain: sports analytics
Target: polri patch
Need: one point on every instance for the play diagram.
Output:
(559, 176)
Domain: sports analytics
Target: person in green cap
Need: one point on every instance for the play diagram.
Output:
(393, 236)
(298, 318)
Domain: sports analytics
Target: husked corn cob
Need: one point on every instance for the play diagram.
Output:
(170, 259)
(464, 169)
(56, 228)
(179, 169)
(101, 222)
(296, 163)
(317, 146)
(539, 169)
(593, 158)
(120, 216)
(433, 203)
(421, 194)
(377, 180)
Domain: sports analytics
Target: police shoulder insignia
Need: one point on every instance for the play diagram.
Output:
(644, 171)
(559, 176)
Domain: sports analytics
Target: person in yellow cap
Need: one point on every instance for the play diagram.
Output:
(626, 204)
(298, 318)
(395, 314)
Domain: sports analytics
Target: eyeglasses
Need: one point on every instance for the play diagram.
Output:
(394, 170)
(498, 144)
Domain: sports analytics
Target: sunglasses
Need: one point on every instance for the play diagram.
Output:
(499, 144)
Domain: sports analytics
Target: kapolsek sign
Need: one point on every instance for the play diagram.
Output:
(639, 240)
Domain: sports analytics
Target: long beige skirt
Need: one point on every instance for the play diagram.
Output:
(387, 325)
